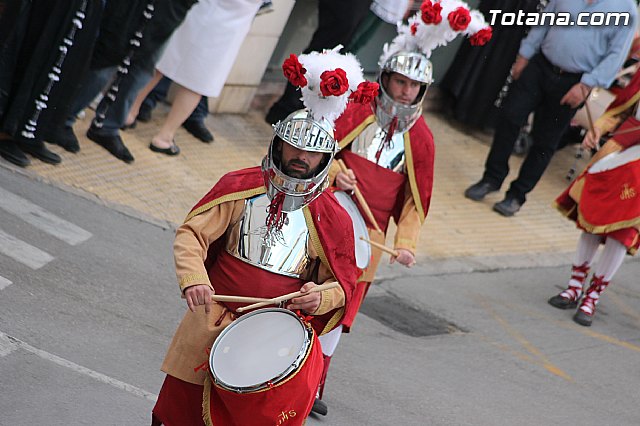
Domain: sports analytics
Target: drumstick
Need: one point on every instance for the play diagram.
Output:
(361, 200)
(238, 299)
(284, 297)
(589, 118)
(382, 247)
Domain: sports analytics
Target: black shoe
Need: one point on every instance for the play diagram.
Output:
(478, 191)
(10, 151)
(198, 130)
(582, 318)
(41, 152)
(507, 207)
(171, 151)
(320, 407)
(113, 144)
(560, 302)
(64, 137)
(144, 114)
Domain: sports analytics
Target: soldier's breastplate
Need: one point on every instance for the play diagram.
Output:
(285, 252)
(367, 144)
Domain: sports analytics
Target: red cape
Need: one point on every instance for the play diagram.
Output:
(332, 225)
(419, 155)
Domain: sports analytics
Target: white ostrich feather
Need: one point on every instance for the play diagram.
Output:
(328, 107)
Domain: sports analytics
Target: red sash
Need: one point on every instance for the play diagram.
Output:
(382, 188)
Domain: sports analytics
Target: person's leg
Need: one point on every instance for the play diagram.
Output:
(551, 121)
(95, 81)
(524, 96)
(585, 252)
(608, 264)
(329, 344)
(183, 105)
(141, 97)
(158, 94)
(195, 124)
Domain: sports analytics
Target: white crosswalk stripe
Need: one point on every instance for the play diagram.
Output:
(42, 219)
(24, 253)
(4, 283)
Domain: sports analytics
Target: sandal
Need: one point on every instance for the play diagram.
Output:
(172, 150)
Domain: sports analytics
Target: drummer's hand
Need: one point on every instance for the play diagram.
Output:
(518, 66)
(346, 181)
(578, 93)
(591, 139)
(404, 257)
(199, 295)
(308, 302)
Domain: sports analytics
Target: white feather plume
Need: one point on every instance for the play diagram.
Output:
(428, 37)
(328, 107)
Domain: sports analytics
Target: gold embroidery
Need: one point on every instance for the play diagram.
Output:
(190, 278)
(413, 183)
(627, 192)
(285, 415)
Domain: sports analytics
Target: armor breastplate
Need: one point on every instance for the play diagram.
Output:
(392, 157)
(285, 253)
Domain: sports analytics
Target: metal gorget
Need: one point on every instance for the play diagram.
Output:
(369, 141)
(284, 252)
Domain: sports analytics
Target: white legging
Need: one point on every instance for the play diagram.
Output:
(329, 341)
(610, 259)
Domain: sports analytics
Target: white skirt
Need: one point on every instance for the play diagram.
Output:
(200, 54)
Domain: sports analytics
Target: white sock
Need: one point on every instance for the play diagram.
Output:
(610, 260)
(587, 248)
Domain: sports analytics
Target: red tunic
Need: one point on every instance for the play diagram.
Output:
(608, 202)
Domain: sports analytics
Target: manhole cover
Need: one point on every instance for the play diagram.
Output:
(404, 318)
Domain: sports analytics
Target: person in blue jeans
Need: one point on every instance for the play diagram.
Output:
(194, 124)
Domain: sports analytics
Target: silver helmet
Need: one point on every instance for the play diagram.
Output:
(301, 131)
(413, 65)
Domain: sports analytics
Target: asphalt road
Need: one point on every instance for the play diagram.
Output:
(88, 305)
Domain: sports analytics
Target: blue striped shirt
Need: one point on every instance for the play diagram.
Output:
(598, 52)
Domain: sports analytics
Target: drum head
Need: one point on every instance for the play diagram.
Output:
(257, 348)
(616, 159)
(363, 249)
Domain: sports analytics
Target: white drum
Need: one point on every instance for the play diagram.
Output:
(363, 249)
(616, 159)
(259, 350)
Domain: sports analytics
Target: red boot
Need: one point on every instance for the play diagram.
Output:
(587, 309)
(319, 406)
(568, 299)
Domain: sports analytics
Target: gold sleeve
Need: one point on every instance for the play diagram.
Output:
(334, 169)
(193, 239)
(409, 225)
(332, 298)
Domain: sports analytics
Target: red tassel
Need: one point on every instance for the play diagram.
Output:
(387, 140)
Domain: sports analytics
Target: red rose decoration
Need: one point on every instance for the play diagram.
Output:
(481, 37)
(431, 12)
(459, 19)
(333, 83)
(414, 28)
(367, 91)
(294, 71)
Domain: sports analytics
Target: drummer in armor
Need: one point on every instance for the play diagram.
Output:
(604, 201)
(263, 232)
(387, 147)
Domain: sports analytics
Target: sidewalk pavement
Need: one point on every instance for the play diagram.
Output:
(459, 235)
